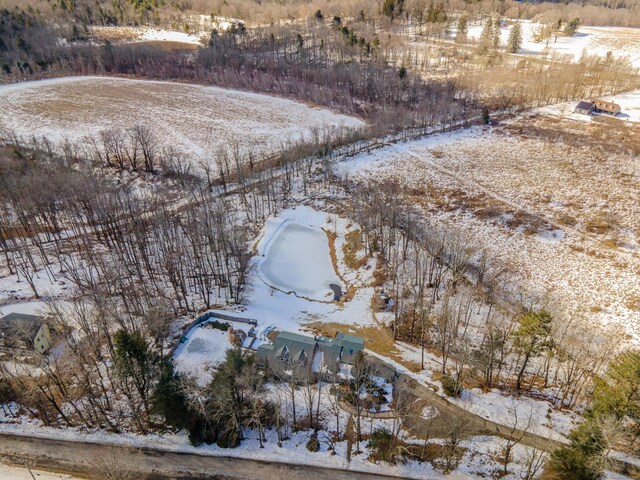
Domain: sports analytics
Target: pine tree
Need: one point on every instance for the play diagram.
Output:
(486, 36)
(572, 26)
(461, 34)
(496, 34)
(515, 38)
(531, 338)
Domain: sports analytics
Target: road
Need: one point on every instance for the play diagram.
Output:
(83, 459)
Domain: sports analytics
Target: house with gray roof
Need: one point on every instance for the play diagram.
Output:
(24, 333)
(320, 354)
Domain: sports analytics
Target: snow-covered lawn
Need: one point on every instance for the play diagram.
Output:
(198, 121)
(629, 102)
(204, 348)
(536, 416)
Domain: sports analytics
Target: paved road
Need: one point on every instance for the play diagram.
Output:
(82, 459)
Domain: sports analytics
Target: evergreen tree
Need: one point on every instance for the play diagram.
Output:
(392, 8)
(486, 118)
(486, 36)
(575, 461)
(571, 27)
(497, 39)
(169, 400)
(515, 38)
(463, 29)
(617, 393)
(135, 364)
(531, 338)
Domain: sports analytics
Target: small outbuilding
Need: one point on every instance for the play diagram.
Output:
(585, 107)
(24, 333)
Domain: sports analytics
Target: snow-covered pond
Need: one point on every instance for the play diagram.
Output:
(298, 260)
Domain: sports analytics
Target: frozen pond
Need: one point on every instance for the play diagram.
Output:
(299, 261)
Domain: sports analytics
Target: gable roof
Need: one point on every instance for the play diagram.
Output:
(296, 338)
(20, 325)
(585, 105)
(347, 337)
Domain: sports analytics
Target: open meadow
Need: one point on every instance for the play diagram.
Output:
(553, 200)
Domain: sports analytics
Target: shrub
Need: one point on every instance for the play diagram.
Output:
(450, 386)
(313, 445)
(224, 326)
(381, 444)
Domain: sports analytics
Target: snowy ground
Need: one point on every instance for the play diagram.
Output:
(526, 413)
(621, 42)
(35, 307)
(629, 102)
(478, 182)
(198, 121)
(286, 311)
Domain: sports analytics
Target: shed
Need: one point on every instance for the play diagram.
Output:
(585, 107)
(20, 331)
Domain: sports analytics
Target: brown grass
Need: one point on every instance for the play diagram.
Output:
(377, 339)
(350, 249)
(331, 236)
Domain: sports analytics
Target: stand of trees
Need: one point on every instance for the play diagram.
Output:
(451, 299)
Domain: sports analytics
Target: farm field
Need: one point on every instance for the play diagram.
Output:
(198, 121)
(559, 214)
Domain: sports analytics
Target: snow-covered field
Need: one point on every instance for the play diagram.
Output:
(621, 42)
(198, 121)
(534, 205)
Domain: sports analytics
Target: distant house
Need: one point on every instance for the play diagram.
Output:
(320, 354)
(585, 107)
(604, 106)
(26, 333)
